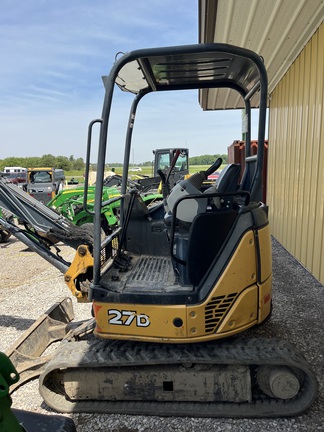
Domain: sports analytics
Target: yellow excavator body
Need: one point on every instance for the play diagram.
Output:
(236, 302)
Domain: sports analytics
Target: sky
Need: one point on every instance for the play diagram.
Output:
(53, 56)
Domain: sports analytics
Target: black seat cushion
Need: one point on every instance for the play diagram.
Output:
(207, 235)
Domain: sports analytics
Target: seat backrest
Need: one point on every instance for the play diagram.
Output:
(228, 178)
(207, 235)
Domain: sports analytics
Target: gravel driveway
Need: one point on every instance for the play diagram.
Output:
(29, 286)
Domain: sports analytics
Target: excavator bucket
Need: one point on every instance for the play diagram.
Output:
(27, 353)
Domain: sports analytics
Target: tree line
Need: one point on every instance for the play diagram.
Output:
(48, 160)
(70, 163)
(207, 159)
(195, 160)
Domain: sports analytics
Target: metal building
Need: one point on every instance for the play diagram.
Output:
(289, 35)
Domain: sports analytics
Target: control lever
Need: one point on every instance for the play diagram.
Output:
(214, 167)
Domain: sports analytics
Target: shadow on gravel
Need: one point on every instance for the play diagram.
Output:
(17, 322)
(6, 244)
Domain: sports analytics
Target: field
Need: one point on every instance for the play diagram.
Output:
(146, 170)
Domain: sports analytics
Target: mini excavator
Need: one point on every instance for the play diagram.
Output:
(173, 286)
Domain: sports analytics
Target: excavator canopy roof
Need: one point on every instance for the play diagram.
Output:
(190, 67)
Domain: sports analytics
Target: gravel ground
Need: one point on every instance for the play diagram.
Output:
(29, 286)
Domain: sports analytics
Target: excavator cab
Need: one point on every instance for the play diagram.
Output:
(196, 267)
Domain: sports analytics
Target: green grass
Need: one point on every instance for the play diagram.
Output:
(146, 170)
(195, 168)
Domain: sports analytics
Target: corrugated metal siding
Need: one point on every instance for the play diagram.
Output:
(296, 157)
(275, 29)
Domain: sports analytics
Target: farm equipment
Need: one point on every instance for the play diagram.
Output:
(70, 202)
(172, 287)
(44, 183)
(163, 162)
(13, 420)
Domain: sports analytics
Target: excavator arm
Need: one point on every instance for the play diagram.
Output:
(40, 229)
(41, 220)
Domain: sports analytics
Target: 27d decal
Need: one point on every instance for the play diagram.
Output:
(126, 317)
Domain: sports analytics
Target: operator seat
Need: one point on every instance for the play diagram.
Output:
(207, 235)
(209, 230)
(228, 178)
(227, 181)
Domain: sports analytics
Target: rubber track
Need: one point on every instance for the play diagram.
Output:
(95, 354)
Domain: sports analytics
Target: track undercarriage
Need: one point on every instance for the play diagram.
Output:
(232, 378)
(235, 378)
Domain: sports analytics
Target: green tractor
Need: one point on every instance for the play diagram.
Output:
(70, 203)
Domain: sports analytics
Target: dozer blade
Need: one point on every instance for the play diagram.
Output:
(32, 421)
(26, 352)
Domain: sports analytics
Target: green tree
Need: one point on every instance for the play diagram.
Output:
(225, 158)
(33, 162)
(78, 164)
(63, 163)
(48, 160)
(13, 161)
